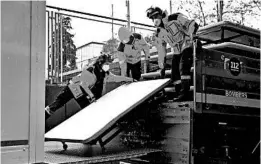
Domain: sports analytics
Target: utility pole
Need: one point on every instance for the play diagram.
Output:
(61, 46)
(220, 4)
(112, 21)
(170, 7)
(128, 14)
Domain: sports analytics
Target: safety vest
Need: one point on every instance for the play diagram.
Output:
(132, 50)
(188, 26)
(84, 80)
(85, 77)
(177, 31)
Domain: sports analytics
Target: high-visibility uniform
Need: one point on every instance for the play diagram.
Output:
(161, 47)
(84, 87)
(130, 54)
(177, 31)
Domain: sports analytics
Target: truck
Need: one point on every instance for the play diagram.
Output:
(221, 124)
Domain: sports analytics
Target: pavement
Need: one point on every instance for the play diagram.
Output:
(81, 153)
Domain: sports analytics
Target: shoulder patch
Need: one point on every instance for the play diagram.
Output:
(157, 32)
(90, 69)
(137, 36)
(173, 16)
(131, 40)
(121, 47)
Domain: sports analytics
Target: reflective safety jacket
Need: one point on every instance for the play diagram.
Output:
(189, 27)
(85, 80)
(161, 48)
(86, 76)
(131, 51)
(176, 30)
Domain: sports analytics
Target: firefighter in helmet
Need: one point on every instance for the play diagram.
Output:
(178, 31)
(129, 50)
(85, 88)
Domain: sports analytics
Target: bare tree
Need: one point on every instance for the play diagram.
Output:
(196, 10)
(202, 12)
(206, 12)
(239, 11)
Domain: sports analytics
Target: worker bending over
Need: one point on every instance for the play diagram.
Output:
(130, 48)
(178, 31)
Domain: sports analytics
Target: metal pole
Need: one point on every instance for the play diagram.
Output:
(52, 47)
(194, 71)
(55, 47)
(128, 14)
(61, 45)
(170, 7)
(220, 9)
(81, 58)
(48, 43)
(112, 21)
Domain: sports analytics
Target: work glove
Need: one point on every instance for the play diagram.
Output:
(48, 111)
(91, 99)
(162, 73)
(130, 80)
(126, 80)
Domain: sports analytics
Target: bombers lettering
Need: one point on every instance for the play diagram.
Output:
(236, 94)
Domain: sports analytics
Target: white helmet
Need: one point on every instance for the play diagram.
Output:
(124, 34)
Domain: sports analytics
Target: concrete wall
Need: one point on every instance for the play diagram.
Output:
(22, 81)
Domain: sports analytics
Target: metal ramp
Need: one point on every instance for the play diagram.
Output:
(98, 121)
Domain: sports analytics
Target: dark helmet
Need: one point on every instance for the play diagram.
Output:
(103, 58)
(153, 11)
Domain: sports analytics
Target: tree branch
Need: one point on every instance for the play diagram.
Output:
(202, 12)
(257, 3)
(225, 12)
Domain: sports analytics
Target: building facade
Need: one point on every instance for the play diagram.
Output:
(87, 52)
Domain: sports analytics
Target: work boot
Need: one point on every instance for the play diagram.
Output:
(177, 89)
(175, 94)
(184, 92)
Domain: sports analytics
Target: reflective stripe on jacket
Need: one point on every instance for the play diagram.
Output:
(176, 31)
(132, 50)
(176, 38)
